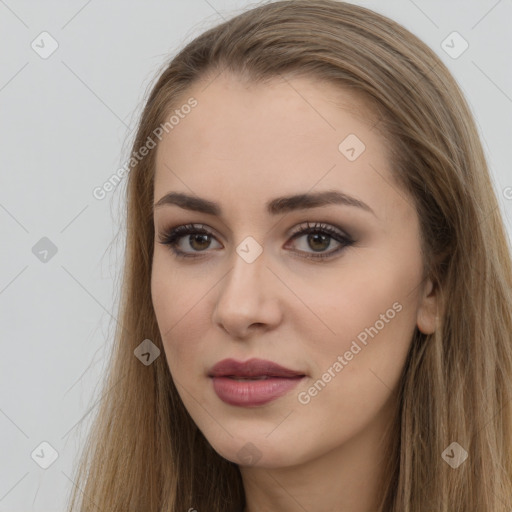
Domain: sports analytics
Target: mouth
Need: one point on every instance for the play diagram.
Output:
(254, 391)
(261, 377)
(253, 369)
(252, 383)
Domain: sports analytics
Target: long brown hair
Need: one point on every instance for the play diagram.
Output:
(145, 453)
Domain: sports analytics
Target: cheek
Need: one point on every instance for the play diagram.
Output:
(368, 317)
(179, 301)
(355, 370)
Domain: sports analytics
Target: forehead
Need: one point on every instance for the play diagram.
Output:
(251, 114)
(248, 142)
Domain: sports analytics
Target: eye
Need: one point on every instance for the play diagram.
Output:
(198, 239)
(318, 237)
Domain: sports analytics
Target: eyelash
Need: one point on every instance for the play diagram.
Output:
(172, 237)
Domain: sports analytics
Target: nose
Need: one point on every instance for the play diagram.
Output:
(248, 298)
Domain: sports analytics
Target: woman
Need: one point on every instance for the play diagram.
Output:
(318, 267)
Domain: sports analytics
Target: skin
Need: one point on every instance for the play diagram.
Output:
(243, 145)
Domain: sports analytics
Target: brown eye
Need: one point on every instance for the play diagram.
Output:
(199, 239)
(318, 239)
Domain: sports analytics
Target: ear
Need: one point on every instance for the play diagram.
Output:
(427, 309)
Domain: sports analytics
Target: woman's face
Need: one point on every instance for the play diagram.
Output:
(251, 287)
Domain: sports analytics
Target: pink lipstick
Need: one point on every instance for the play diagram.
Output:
(253, 382)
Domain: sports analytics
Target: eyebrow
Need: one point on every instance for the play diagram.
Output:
(274, 207)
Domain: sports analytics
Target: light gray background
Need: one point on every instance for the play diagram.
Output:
(65, 127)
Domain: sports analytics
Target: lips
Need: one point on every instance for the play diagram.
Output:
(252, 383)
(253, 369)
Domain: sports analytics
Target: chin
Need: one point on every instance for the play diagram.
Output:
(255, 451)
